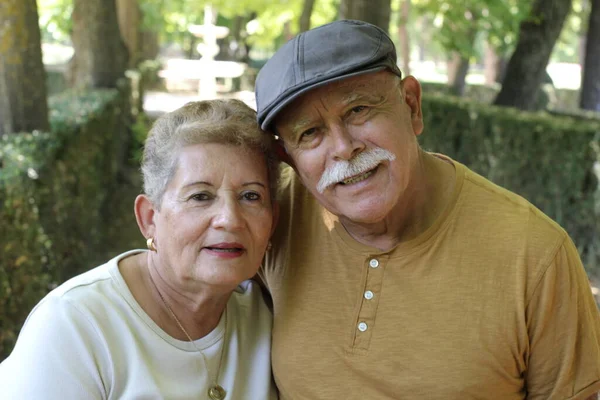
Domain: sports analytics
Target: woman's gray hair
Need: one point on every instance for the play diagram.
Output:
(212, 121)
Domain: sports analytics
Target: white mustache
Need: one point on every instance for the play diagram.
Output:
(360, 164)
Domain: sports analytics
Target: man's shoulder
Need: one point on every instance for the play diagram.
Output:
(295, 201)
(508, 212)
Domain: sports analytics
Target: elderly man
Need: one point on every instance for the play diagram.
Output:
(398, 273)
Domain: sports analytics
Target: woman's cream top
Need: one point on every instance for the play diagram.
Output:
(90, 339)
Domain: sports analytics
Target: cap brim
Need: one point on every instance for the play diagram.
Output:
(272, 113)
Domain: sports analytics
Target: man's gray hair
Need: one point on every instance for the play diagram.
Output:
(213, 121)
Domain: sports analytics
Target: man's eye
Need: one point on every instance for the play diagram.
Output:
(358, 109)
(251, 196)
(307, 134)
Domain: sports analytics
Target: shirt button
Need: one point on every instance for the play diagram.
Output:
(374, 263)
(362, 327)
(368, 295)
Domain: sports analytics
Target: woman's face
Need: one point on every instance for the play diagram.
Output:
(216, 216)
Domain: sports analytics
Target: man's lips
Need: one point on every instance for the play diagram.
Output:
(358, 178)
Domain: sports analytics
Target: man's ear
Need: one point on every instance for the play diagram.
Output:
(282, 153)
(412, 96)
(144, 215)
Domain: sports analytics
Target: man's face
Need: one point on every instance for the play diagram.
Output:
(353, 143)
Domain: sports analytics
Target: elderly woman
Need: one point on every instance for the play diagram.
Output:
(181, 320)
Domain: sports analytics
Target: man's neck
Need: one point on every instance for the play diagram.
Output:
(418, 209)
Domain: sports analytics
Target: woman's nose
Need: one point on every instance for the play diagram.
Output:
(228, 215)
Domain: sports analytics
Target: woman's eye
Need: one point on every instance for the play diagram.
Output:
(201, 197)
(251, 196)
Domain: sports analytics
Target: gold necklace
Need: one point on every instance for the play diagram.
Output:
(215, 391)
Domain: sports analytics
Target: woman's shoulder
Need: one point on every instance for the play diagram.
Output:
(97, 288)
(91, 280)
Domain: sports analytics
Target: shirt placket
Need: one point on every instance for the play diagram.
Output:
(370, 295)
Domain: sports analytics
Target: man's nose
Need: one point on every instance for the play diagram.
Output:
(345, 145)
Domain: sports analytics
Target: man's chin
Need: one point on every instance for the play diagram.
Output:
(361, 214)
(361, 218)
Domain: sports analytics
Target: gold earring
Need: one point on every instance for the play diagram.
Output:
(150, 244)
(269, 245)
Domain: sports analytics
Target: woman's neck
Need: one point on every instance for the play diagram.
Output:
(198, 311)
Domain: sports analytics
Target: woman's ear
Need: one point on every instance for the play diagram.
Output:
(412, 95)
(144, 215)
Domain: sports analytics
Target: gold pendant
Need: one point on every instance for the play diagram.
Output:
(216, 392)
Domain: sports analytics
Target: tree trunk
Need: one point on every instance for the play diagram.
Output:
(130, 19)
(247, 46)
(376, 12)
(23, 105)
(307, 9)
(403, 36)
(501, 66)
(150, 46)
(590, 83)
(526, 68)
(490, 63)
(287, 31)
(458, 67)
(100, 56)
(423, 24)
(238, 35)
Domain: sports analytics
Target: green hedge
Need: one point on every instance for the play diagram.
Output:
(552, 161)
(559, 100)
(53, 193)
(55, 81)
(478, 93)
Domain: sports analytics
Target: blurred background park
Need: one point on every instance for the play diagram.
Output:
(511, 89)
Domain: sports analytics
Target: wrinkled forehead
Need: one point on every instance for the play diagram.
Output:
(369, 88)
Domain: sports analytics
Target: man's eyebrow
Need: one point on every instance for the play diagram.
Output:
(354, 96)
(300, 124)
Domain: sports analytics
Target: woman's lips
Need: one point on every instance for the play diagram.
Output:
(225, 250)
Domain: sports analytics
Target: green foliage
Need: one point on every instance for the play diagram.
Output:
(458, 24)
(149, 73)
(55, 19)
(55, 82)
(53, 190)
(172, 18)
(24, 248)
(139, 132)
(477, 93)
(568, 44)
(548, 160)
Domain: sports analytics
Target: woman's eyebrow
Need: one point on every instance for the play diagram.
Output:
(196, 183)
(254, 183)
